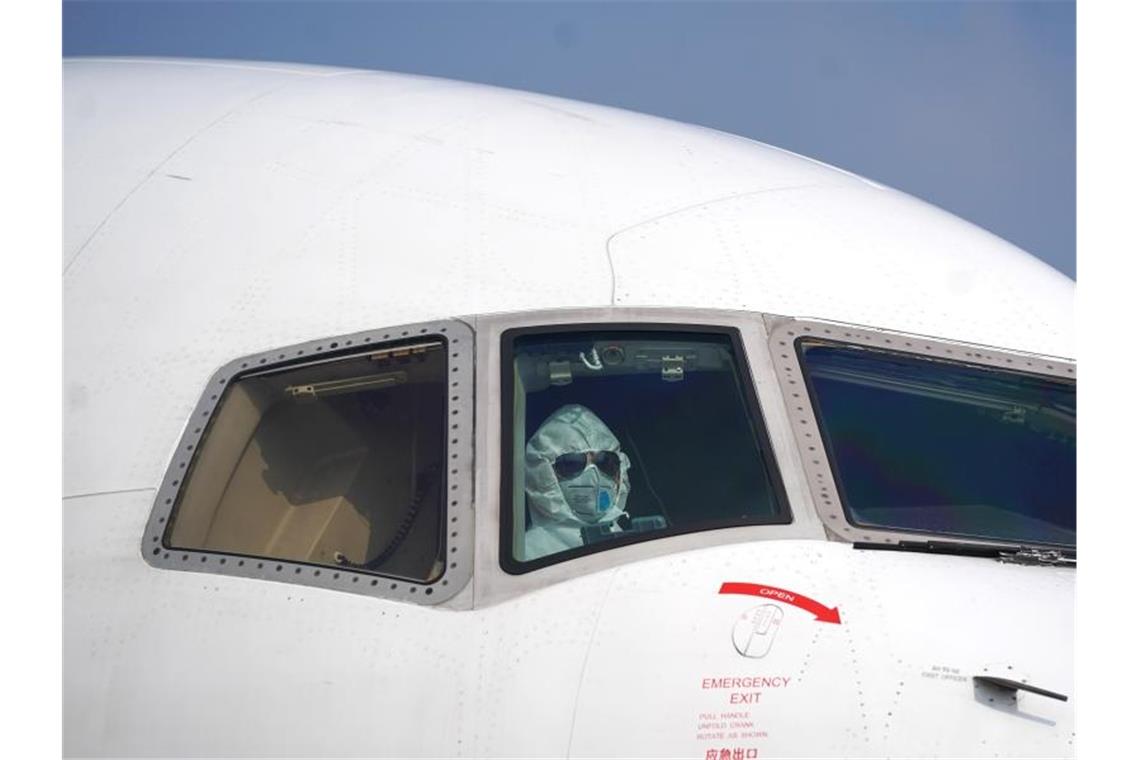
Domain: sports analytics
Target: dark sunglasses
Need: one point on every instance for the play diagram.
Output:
(571, 465)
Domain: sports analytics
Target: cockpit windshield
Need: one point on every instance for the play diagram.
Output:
(616, 436)
(932, 446)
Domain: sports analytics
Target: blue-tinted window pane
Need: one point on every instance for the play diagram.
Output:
(931, 446)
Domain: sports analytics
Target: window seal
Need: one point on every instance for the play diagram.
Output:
(746, 378)
(457, 525)
(785, 333)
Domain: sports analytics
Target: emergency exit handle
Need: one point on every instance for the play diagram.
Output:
(1007, 684)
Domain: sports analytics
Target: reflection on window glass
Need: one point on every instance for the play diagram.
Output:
(628, 435)
(335, 463)
(931, 446)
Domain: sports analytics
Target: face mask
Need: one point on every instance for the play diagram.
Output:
(590, 495)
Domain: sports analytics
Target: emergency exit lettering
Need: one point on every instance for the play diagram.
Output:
(745, 690)
(736, 753)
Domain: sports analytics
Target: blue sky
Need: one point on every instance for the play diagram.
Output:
(971, 106)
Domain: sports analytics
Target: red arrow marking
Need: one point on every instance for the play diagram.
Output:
(822, 614)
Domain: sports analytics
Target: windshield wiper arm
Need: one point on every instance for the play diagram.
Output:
(1021, 555)
(1027, 555)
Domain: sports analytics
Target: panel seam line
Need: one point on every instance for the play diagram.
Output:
(586, 659)
(691, 207)
(107, 493)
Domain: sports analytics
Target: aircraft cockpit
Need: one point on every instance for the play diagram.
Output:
(404, 461)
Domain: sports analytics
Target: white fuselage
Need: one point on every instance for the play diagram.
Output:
(216, 210)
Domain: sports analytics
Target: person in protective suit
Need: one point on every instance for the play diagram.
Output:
(576, 477)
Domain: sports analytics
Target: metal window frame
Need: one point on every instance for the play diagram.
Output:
(784, 334)
(459, 339)
(744, 376)
(494, 585)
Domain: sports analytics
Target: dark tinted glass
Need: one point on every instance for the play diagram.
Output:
(619, 436)
(568, 466)
(931, 446)
(336, 463)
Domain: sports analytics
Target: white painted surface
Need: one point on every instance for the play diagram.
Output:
(213, 210)
(851, 254)
(610, 664)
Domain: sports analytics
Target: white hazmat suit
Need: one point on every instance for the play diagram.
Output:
(561, 507)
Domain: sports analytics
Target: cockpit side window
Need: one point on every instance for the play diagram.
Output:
(613, 436)
(925, 445)
(332, 463)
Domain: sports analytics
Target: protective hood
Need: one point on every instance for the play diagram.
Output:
(574, 429)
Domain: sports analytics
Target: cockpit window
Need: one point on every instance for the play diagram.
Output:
(337, 462)
(932, 446)
(617, 436)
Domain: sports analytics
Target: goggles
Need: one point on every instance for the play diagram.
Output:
(569, 466)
